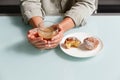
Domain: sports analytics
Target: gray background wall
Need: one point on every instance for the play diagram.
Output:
(9, 2)
(16, 2)
(109, 2)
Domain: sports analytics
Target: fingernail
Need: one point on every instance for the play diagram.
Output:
(52, 39)
(48, 42)
(32, 37)
(29, 36)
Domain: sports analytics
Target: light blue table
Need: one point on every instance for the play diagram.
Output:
(19, 60)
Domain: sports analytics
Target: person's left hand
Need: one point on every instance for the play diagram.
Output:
(54, 42)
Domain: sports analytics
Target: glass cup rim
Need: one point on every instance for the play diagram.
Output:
(45, 24)
(47, 29)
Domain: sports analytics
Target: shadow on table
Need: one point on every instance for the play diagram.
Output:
(24, 47)
(18, 22)
(61, 54)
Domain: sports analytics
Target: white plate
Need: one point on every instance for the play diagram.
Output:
(77, 52)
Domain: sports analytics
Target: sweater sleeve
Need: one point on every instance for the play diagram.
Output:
(81, 10)
(31, 8)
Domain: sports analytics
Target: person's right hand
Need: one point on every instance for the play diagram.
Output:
(36, 40)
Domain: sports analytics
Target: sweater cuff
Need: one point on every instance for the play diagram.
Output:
(78, 20)
(31, 13)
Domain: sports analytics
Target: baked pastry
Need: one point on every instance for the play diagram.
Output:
(72, 42)
(90, 43)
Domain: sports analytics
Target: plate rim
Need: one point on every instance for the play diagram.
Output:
(70, 34)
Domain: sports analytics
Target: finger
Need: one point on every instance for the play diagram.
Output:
(60, 34)
(55, 37)
(46, 46)
(40, 44)
(41, 48)
(55, 40)
(32, 30)
(30, 37)
(33, 34)
(51, 46)
(39, 41)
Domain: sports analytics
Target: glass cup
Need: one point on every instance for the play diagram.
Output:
(46, 30)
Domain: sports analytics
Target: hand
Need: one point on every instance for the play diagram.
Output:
(36, 40)
(54, 42)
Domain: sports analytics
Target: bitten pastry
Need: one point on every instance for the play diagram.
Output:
(90, 43)
(72, 42)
